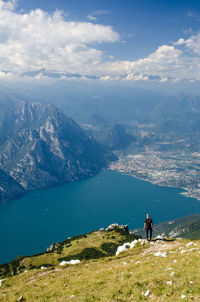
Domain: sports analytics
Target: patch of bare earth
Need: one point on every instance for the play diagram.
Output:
(155, 246)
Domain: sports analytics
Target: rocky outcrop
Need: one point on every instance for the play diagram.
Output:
(115, 226)
(53, 247)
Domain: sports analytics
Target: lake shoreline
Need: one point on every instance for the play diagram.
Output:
(186, 192)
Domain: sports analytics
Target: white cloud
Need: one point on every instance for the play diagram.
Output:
(9, 5)
(92, 15)
(157, 65)
(167, 63)
(193, 43)
(38, 40)
(92, 18)
(180, 42)
(38, 44)
(105, 78)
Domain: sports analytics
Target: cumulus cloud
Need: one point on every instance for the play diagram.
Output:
(38, 40)
(92, 18)
(181, 41)
(10, 5)
(157, 66)
(38, 44)
(167, 63)
(192, 44)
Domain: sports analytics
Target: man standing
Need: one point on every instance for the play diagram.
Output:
(148, 226)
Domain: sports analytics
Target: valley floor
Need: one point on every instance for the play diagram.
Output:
(166, 168)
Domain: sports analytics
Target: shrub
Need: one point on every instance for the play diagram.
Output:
(110, 248)
(86, 254)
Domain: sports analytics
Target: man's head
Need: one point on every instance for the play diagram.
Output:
(148, 215)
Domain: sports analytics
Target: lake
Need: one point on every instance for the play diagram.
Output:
(31, 223)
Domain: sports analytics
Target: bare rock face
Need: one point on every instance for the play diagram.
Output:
(41, 147)
(9, 188)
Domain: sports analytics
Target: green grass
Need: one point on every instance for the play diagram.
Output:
(111, 279)
(90, 246)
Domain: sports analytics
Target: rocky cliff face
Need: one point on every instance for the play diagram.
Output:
(9, 188)
(40, 147)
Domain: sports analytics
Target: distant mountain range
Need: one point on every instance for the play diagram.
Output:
(40, 147)
(180, 114)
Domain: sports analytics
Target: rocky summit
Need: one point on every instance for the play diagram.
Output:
(40, 147)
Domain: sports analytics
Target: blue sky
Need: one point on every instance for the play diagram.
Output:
(118, 40)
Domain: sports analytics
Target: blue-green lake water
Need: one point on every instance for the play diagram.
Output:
(30, 224)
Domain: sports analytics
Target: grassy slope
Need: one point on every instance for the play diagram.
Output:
(111, 278)
(91, 246)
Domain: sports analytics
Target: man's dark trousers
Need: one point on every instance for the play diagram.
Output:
(149, 230)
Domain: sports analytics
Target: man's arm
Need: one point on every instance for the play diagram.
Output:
(144, 225)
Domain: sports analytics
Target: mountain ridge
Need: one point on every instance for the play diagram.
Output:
(42, 147)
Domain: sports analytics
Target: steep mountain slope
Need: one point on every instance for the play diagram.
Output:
(40, 147)
(157, 271)
(9, 188)
(179, 113)
(116, 138)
